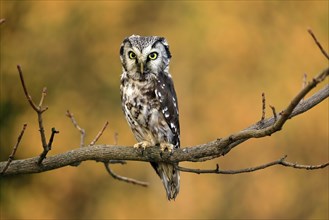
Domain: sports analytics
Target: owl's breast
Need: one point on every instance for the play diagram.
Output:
(138, 102)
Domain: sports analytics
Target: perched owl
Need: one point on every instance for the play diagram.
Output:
(149, 100)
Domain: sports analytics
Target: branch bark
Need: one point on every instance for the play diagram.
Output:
(203, 152)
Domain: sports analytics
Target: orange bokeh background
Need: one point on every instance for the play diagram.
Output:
(225, 54)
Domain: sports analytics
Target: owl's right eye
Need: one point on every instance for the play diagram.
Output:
(131, 55)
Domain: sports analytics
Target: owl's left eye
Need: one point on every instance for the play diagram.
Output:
(153, 55)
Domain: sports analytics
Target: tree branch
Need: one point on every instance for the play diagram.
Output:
(211, 150)
(81, 130)
(123, 178)
(99, 134)
(281, 161)
(318, 44)
(11, 157)
(39, 110)
(203, 152)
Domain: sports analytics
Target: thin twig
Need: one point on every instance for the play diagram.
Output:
(122, 178)
(29, 98)
(11, 157)
(301, 166)
(99, 134)
(304, 83)
(304, 80)
(43, 95)
(2, 20)
(116, 135)
(274, 112)
(284, 116)
(38, 109)
(49, 145)
(318, 43)
(263, 107)
(280, 161)
(81, 130)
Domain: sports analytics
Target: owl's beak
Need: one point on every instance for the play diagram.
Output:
(142, 68)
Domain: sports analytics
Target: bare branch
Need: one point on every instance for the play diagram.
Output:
(197, 153)
(274, 112)
(39, 110)
(304, 83)
(49, 145)
(263, 107)
(306, 167)
(116, 136)
(285, 115)
(122, 178)
(11, 157)
(99, 134)
(29, 98)
(280, 161)
(318, 43)
(43, 95)
(81, 130)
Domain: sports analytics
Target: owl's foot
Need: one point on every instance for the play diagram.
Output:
(143, 144)
(166, 146)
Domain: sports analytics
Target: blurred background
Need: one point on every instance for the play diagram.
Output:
(225, 54)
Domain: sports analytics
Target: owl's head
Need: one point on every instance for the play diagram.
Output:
(143, 56)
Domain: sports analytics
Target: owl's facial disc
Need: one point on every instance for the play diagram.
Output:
(144, 61)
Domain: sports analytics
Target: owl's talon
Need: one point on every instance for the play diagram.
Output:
(142, 144)
(166, 146)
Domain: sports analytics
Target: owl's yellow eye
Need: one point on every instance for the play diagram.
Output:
(153, 55)
(132, 55)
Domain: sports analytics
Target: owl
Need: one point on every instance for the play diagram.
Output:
(149, 101)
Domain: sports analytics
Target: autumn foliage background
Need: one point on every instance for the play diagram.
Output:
(225, 54)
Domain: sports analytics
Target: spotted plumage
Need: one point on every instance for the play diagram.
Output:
(149, 100)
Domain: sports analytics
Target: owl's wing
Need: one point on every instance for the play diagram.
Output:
(165, 93)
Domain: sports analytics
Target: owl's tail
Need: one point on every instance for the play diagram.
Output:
(169, 177)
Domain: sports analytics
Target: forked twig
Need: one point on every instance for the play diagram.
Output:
(39, 110)
(122, 178)
(11, 157)
(49, 145)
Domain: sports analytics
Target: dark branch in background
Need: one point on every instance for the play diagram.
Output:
(11, 157)
(81, 130)
(203, 152)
